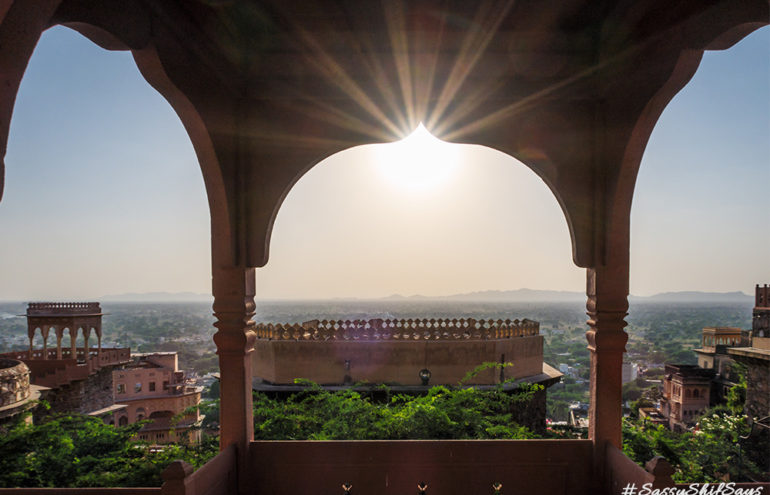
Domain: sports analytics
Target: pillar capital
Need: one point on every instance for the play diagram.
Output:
(606, 341)
(234, 308)
(233, 337)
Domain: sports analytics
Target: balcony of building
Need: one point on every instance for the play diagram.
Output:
(56, 368)
(572, 88)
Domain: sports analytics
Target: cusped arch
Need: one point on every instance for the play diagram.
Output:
(722, 36)
(113, 26)
(256, 136)
(536, 160)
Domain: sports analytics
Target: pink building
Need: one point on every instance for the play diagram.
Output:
(152, 387)
(686, 394)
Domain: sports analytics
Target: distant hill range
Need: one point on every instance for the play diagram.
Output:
(531, 295)
(518, 295)
(157, 297)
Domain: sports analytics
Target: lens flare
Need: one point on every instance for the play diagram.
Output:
(419, 162)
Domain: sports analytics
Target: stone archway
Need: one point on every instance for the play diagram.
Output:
(581, 86)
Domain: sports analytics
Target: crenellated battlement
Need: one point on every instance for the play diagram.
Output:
(63, 308)
(398, 329)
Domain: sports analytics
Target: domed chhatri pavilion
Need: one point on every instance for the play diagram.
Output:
(266, 89)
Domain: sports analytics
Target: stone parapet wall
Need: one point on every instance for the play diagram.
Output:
(395, 351)
(63, 308)
(399, 329)
(553, 467)
(14, 382)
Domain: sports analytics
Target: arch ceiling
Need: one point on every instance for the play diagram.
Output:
(266, 89)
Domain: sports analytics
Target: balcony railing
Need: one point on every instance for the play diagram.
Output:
(462, 467)
(427, 467)
(63, 308)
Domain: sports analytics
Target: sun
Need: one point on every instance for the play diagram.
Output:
(420, 162)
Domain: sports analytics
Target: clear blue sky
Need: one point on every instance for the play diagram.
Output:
(104, 196)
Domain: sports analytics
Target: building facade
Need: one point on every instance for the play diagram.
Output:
(152, 388)
(760, 321)
(630, 372)
(713, 355)
(686, 394)
(756, 357)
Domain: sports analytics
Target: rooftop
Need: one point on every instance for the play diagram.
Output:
(64, 309)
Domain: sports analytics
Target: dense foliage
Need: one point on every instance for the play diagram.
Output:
(441, 413)
(715, 451)
(82, 451)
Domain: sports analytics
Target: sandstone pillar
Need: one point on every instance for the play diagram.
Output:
(86, 334)
(73, 343)
(607, 306)
(45, 331)
(234, 306)
(59, 332)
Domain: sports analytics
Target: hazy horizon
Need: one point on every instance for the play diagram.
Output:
(546, 295)
(104, 196)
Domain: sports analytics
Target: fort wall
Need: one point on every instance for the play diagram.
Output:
(395, 351)
(82, 396)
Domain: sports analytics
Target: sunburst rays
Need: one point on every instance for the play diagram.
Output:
(384, 84)
(480, 33)
(394, 88)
